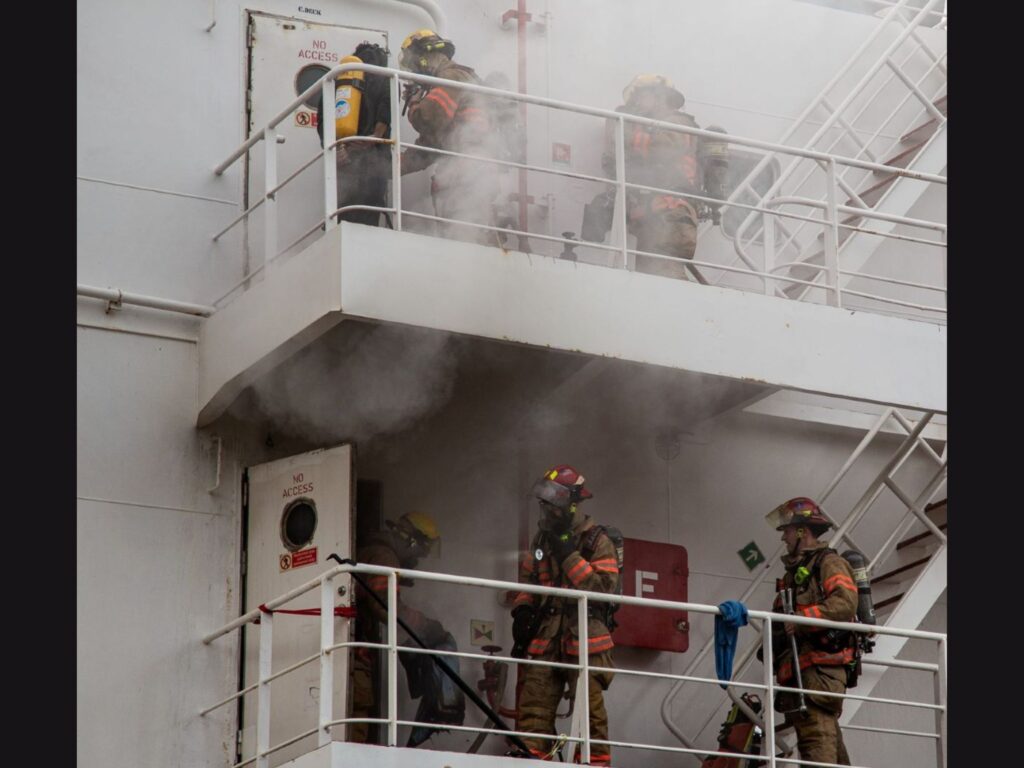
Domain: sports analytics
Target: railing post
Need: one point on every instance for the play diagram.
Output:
(769, 252)
(396, 153)
(583, 686)
(263, 691)
(393, 659)
(832, 236)
(326, 660)
(329, 96)
(940, 714)
(620, 177)
(270, 207)
(768, 708)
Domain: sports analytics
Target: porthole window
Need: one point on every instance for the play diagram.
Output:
(308, 75)
(298, 524)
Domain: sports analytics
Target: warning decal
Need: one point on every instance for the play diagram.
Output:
(290, 560)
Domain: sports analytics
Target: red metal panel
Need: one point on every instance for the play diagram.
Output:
(653, 569)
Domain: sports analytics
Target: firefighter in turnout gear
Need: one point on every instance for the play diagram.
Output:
(364, 168)
(454, 120)
(680, 162)
(569, 551)
(400, 546)
(823, 588)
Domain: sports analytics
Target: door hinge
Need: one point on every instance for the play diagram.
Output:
(245, 562)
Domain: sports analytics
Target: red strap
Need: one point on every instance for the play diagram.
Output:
(344, 611)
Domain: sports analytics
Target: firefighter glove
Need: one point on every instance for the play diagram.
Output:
(522, 618)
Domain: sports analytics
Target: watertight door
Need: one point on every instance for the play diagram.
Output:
(286, 56)
(299, 512)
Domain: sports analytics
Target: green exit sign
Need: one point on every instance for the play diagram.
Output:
(751, 556)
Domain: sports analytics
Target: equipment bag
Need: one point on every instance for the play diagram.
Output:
(738, 734)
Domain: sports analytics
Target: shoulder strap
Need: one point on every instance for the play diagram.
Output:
(589, 542)
(819, 558)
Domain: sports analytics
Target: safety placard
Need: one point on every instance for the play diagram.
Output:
(290, 560)
(658, 570)
(481, 632)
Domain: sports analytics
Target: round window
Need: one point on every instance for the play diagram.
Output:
(298, 523)
(308, 75)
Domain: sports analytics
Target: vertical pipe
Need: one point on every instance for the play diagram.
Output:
(583, 688)
(832, 235)
(941, 760)
(769, 252)
(270, 207)
(768, 708)
(328, 94)
(326, 660)
(620, 176)
(396, 153)
(263, 691)
(521, 17)
(393, 659)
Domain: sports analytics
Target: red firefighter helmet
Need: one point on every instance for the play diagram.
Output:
(798, 511)
(561, 486)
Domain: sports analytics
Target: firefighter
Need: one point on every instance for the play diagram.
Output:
(823, 588)
(454, 120)
(568, 551)
(400, 546)
(364, 168)
(680, 162)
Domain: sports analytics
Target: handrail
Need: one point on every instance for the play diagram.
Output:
(569, 107)
(837, 168)
(324, 582)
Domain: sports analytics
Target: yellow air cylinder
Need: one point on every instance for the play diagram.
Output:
(347, 99)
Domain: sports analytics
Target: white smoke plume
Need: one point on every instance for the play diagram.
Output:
(359, 382)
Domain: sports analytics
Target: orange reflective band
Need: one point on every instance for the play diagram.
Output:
(581, 576)
(813, 611)
(839, 580)
(545, 578)
(608, 565)
(537, 646)
(448, 110)
(641, 141)
(596, 644)
(580, 565)
(441, 93)
(600, 759)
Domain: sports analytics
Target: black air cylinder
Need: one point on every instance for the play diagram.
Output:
(865, 606)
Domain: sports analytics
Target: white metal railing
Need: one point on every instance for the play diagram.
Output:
(776, 240)
(766, 274)
(883, 480)
(327, 717)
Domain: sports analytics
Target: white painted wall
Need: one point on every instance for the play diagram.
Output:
(160, 103)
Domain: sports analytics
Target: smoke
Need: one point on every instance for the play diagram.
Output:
(360, 382)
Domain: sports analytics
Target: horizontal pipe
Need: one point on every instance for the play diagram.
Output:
(831, 695)
(923, 734)
(117, 296)
(867, 213)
